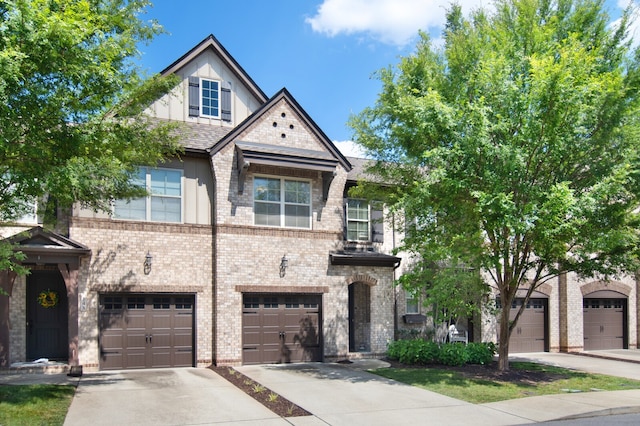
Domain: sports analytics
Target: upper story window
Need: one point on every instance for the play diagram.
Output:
(358, 227)
(363, 221)
(209, 98)
(282, 202)
(164, 204)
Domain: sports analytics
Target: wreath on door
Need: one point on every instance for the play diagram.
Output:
(48, 299)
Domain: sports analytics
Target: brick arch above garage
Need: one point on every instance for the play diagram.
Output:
(543, 290)
(601, 285)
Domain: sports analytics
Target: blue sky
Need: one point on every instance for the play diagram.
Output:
(323, 52)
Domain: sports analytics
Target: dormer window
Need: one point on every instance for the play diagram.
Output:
(209, 98)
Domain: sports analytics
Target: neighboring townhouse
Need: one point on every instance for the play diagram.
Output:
(248, 250)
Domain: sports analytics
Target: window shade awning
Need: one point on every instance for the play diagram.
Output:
(272, 155)
(363, 258)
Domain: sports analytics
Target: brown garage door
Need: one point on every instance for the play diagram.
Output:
(146, 331)
(530, 332)
(281, 328)
(604, 323)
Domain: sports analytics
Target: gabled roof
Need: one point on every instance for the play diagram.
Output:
(212, 43)
(38, 241)
(283, 94)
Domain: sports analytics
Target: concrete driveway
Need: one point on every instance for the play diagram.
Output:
(185, 396)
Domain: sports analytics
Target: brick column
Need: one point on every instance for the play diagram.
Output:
(563, 306)
(70, 275)
(7, 278)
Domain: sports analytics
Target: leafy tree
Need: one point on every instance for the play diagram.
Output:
(515, 145)
(71, 103)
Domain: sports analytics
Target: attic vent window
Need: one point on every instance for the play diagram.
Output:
(283, 136)
(283, 115)
(275, 124)
(291, 126)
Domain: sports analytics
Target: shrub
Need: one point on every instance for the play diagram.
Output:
(479, 353)
(416, 351)
(419, 351)
(452, 354)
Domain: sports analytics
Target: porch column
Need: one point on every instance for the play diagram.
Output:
(70, 275)
(7, 278)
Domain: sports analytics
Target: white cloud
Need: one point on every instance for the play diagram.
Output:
(634, 22)
(349, 148)
(397, 22)
(394, 22)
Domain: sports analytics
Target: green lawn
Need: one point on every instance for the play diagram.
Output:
(34, 404)
(557, 380)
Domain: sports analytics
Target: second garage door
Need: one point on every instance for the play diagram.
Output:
(146, 331)
(281, 328)
(604, 323)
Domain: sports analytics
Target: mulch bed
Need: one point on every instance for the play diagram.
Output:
(490, 372)
(274, 402)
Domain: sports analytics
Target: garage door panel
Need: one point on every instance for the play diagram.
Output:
(183, 358)
(252, 338)
(135, 340)
(135, 359)
(182, 340)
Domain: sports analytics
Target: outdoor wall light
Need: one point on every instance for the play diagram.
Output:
(147, 263)
(284, 262)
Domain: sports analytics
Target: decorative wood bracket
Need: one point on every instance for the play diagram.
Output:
(242, 174)
(327, 178)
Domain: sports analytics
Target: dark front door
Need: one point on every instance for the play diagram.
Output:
(359, 317)
(47, 316)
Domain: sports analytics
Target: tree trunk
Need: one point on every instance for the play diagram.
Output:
(503, 343)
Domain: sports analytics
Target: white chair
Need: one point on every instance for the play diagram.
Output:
(456, 335)
(441, 333)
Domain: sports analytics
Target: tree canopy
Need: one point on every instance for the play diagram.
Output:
(514, 146)
(72, 127)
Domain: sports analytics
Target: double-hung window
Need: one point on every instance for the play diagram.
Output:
(163, 204)
(282, 202)
(358, 215)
